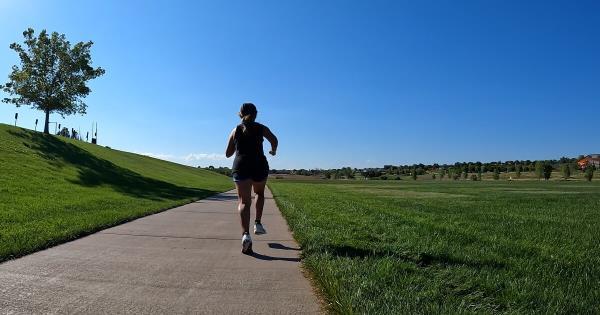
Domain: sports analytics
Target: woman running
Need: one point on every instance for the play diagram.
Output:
(250, 169)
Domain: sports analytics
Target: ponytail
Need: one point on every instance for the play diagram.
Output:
(247, 114)
(245, 120)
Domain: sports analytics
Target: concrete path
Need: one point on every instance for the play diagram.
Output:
(184, 260)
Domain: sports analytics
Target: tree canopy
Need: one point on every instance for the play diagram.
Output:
(52, 75)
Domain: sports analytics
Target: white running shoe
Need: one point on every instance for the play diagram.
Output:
(259, 229)
(246, 244)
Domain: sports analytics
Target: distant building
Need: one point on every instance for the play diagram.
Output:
(592, 159)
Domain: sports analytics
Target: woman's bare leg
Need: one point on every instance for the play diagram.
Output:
(259, 190)
(244, 190)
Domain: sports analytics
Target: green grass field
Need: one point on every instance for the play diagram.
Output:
(398, 247)
(54, 189)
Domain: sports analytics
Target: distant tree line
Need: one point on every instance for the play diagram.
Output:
(460, 170)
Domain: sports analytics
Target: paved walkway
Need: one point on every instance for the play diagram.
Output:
(184, 260)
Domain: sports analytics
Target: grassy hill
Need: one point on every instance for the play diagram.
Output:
(54, 189)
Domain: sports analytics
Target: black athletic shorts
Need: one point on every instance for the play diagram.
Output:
(237, 177)
(255, 168)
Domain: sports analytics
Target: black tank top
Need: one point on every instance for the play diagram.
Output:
(249, 154)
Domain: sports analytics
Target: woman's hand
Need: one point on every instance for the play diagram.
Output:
(272, 139)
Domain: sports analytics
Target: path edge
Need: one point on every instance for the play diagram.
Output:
(105, 227)
(316, 288)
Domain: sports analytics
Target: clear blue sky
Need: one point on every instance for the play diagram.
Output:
(342, 83)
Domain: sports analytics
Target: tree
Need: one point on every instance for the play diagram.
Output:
(442, 173)
(347, 172)
(465, 173)
(539, 169)
(547, 171)
(414, 174)
(432, 175)
(566, 171)
(518, 171)
(52, 76)
(371, 173)
(589, 173)
(479, 172)
(510, 167)
(496, 173)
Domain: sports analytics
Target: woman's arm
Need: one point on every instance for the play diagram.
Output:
(272, 139)
(231, 144)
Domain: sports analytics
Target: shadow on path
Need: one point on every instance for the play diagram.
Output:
(281, 246)
(270, 258)
(221, 197)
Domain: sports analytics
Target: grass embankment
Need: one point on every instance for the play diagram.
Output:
(450, 247)
(54, 189)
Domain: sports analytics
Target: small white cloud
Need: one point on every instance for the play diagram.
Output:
(204, 157)
(192, 159)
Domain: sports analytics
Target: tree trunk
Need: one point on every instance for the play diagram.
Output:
(46, 131)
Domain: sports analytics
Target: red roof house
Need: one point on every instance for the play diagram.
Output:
(592, 159)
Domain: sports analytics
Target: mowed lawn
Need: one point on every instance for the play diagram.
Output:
(451, 247)
(54, 189)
